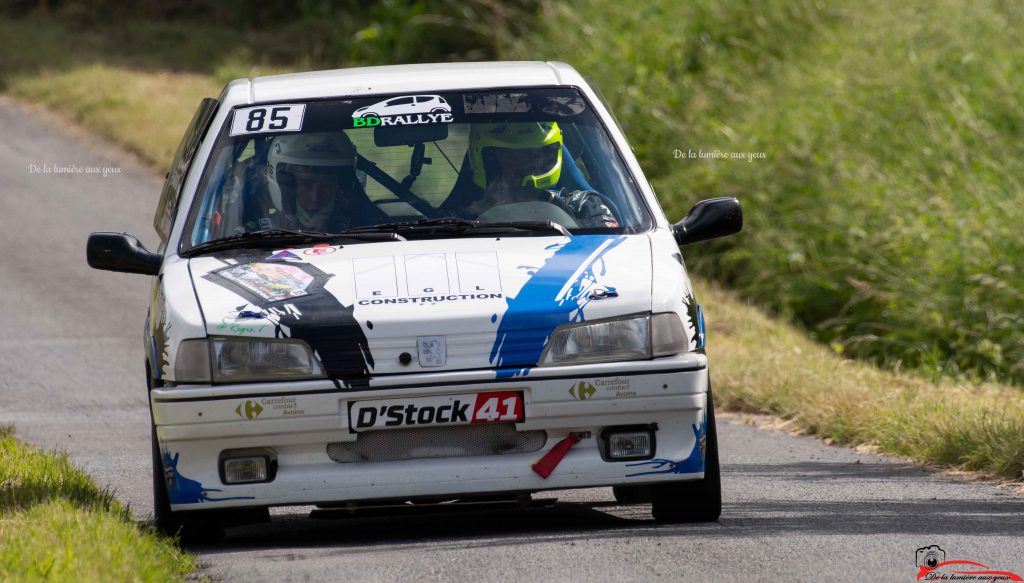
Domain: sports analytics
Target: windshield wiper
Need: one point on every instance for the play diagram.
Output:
(462, 225)
(423, 223)
(529, 226)
(266, 237)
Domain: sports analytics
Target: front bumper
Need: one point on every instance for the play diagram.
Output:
(296, 422)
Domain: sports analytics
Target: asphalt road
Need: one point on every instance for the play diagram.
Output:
(71, 377)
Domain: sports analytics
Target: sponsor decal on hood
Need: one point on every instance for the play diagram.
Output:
(494, 302)
(309, 314)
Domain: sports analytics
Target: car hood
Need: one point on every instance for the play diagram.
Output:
(415, 306)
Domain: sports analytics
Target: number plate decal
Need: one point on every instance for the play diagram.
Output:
(494, 407)
(267, 118)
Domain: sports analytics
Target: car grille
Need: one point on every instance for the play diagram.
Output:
(437, 442)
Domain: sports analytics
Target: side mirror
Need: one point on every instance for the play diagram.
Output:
(121, 252)
(709, 219)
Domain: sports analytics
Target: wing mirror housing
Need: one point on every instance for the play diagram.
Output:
(121, 252)
(709, 219)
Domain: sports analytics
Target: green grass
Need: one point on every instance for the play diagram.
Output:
(885, 217)
(759, 365)
(137, 84)
(143, 111)
(57, 525)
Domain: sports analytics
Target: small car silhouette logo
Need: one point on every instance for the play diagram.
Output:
(405, 105)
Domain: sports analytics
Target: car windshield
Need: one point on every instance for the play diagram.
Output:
(453, 161)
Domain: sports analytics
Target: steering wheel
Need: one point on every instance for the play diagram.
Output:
(607, 202)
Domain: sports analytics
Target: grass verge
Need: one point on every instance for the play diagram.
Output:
(57, 525)
(760, 364)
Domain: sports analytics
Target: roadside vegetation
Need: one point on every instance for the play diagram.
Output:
(759, 365)
(882, 220)
(57, 525)
(135, 75)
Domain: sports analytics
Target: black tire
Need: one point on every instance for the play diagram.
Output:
(632, 494)
(161, 503)
(694, 500)
(162, 516)
(190, 527)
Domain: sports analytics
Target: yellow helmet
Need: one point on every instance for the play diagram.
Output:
(485, 139)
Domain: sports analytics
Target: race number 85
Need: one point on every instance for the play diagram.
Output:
(267, 118)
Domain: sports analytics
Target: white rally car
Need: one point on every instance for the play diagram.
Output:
(477, 300)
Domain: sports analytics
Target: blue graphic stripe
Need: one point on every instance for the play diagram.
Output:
(702, 337)
(555, 294)
(692, 464)
(182, 490)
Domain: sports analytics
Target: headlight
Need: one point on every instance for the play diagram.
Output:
(231, 359)
(251, 359)
(637, 337)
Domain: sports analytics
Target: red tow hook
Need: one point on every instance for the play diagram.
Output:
(547, 464)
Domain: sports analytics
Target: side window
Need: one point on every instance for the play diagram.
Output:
(180, 164)
(401, 101)
(422, 98)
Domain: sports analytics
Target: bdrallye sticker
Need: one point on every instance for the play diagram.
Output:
(404, 110)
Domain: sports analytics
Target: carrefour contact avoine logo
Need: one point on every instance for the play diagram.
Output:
(405, 110)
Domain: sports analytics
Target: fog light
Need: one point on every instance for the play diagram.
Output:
(245, 470)
(630, 445)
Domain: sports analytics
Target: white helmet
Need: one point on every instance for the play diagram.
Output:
(324, 149)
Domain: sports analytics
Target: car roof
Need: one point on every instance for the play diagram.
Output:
(410, 79)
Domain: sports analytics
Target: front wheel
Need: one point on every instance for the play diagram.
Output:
(695, 500)
(191, 527)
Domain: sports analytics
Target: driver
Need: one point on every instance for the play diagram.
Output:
(311, 177)
(522, 162)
